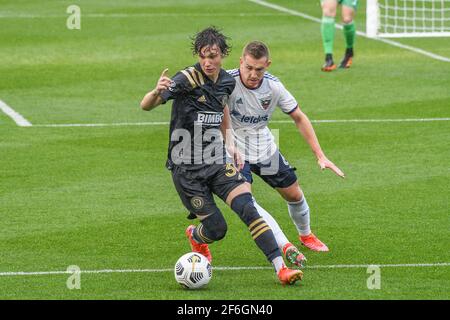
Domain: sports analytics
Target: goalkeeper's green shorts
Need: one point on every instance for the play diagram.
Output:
(348, 3)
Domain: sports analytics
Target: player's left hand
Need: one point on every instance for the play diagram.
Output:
(324, 163)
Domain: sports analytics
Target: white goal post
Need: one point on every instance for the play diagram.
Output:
(408, 18)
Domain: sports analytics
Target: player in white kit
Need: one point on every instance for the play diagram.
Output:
(254, 99)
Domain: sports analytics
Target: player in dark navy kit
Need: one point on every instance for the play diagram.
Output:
(200, 137)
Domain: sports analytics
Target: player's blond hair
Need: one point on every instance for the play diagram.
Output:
(256, 49)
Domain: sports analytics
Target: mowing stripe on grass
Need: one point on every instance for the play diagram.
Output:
(143, 14)
(10, 112)
(339, 26)
(164, 123)
(339, 266)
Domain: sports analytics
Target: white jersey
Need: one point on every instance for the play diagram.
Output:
(251, 110)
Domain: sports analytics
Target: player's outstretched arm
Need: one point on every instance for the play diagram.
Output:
(153, 99)
(306, 129)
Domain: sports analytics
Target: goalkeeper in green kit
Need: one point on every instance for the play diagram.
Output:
(328, 29)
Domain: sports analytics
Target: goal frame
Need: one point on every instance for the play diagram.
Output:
(373, 25)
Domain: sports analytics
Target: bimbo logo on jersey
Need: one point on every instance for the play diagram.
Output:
(209, 118)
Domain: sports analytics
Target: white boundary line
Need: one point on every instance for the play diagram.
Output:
(10, 112)
(119, 124)
(368, 120)
(339, 26)
(341, 266)
(163, 123)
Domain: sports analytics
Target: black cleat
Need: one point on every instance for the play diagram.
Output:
(348, 59)
(329, 63)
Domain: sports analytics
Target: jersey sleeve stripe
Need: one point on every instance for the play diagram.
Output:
(271, 77)
(197, 76)
(188, 76)
(233, 72)
(200, 77)
(289, 112)
(194, 76)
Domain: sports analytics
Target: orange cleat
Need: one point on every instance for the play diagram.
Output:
(201, 248)
(289, 276)
(293, 255)
(328, 67)
(312, 242)
(329, 63)
(346, 63)
(348, 59)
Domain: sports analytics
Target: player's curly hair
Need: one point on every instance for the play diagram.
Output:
(209, 37)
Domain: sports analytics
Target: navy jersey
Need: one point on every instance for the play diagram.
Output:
(197, 113)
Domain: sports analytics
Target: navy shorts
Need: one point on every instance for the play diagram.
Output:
(276, 171)
(196, 187)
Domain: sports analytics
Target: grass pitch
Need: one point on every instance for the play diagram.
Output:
(100, 197)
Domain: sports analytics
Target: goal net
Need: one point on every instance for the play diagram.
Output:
(408, 18)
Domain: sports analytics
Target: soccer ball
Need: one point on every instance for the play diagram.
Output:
(193, 270)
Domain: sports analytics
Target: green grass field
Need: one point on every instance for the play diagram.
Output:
(101, 198)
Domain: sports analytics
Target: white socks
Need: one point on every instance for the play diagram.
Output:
(299, 212)
(277, 232)
(278, 263)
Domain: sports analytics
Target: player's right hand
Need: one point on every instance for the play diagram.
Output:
(239, 163)
(164, 82)
(236, 156)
